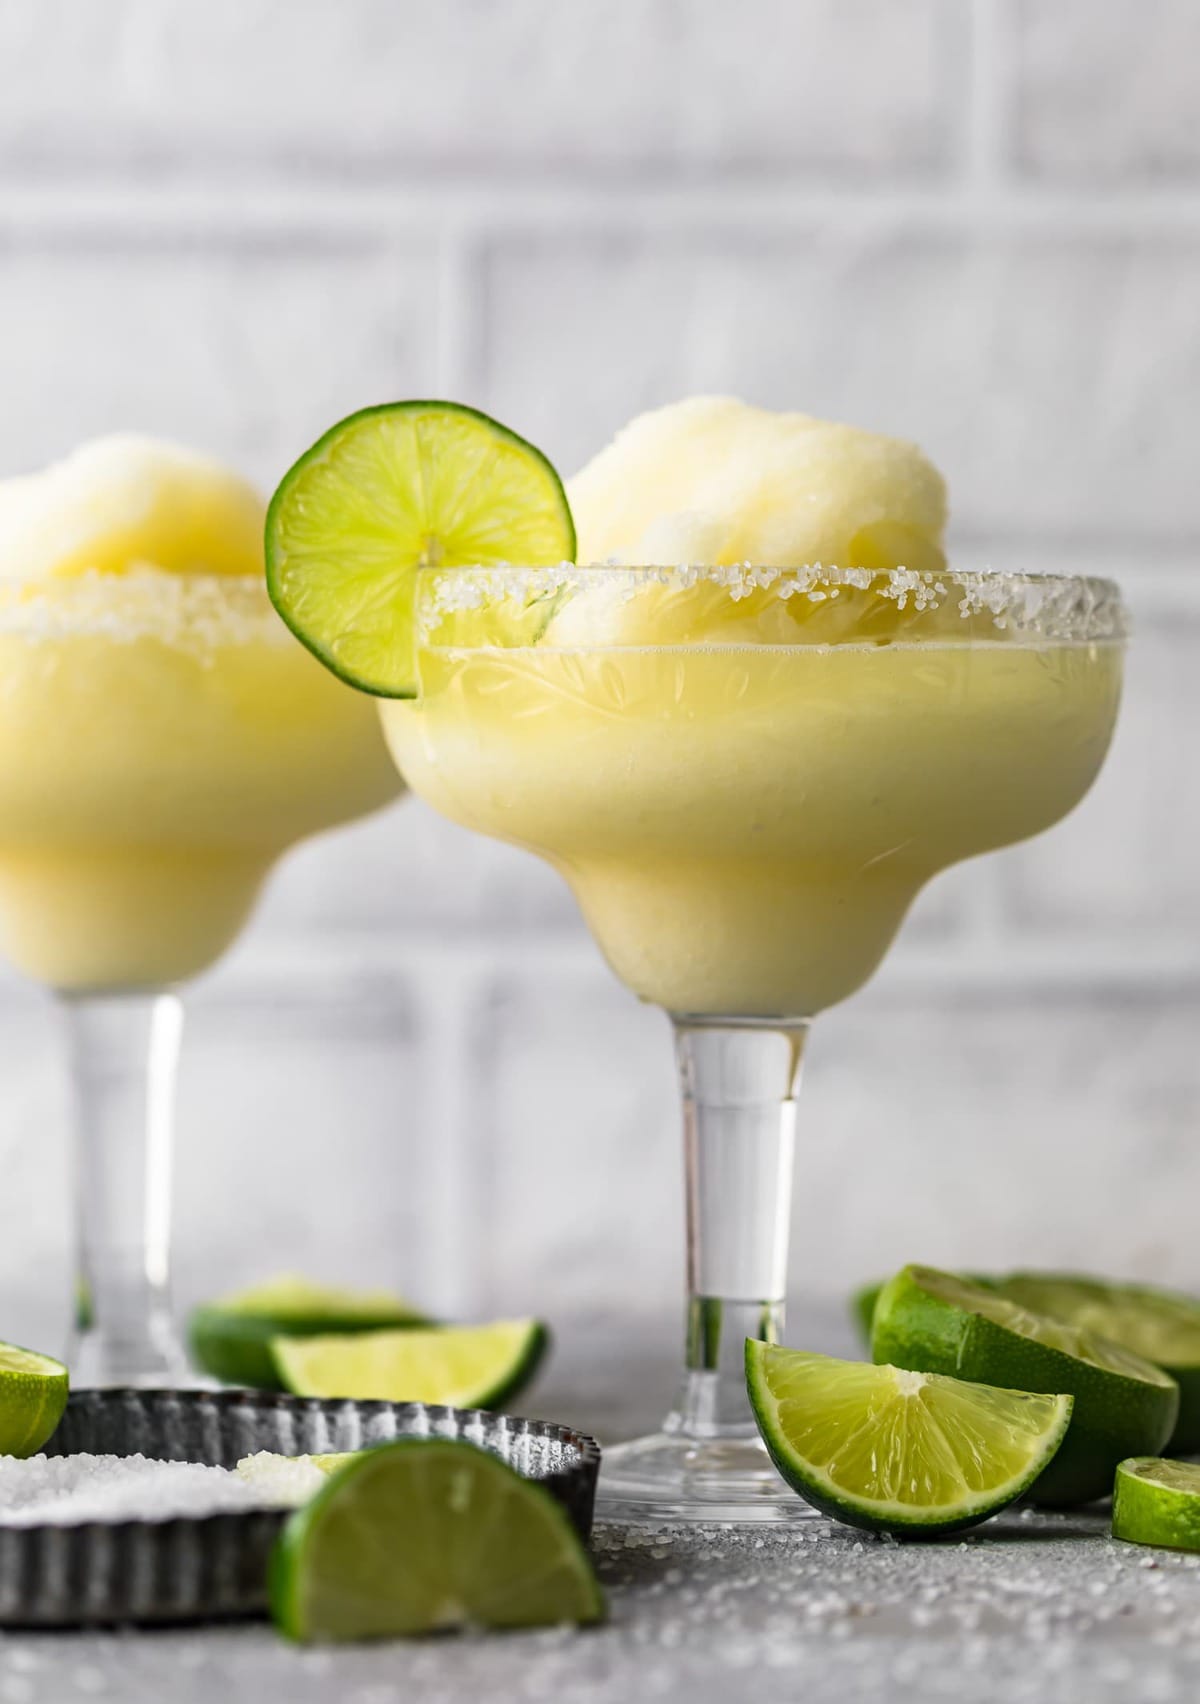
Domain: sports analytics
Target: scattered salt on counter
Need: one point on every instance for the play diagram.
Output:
(66, 1490)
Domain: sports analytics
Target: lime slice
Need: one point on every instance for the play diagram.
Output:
(392, 489)
(1162, 1326)
(897, 1451)
(935, 1323)
(33, 1394)
(428, 1534)
(1157, 1502)
(468, 1366)
(231, 1337)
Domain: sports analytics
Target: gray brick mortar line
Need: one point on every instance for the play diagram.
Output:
(490, 209)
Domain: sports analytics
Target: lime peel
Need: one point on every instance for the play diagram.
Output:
(1160, 1325)
(896, 1450)
(33, 1395)
(935, 1322)
(423, 1535)
(1157, 1502)
(461, 1366)
(388, 491)
(230, 1337)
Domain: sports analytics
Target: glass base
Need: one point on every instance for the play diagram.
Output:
(669, 1479)
(159, 1362)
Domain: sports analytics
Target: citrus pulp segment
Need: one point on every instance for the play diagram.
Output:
(387, 491)
(897, 1451)
(425, 1535)
(33, 1394)
(462, 1366)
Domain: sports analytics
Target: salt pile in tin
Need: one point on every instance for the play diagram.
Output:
(68, 1490)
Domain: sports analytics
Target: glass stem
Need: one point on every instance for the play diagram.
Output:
(124, 1052)
(739, 1081)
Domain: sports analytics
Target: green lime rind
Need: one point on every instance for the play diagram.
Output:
(1161, 1325)
(230, 1338)
(459, 1366)
(894, 1451)
(385, 492)
(1158, 1324)
(424, 1535)
(33, 1393)
(1157, 1502)
(863, 1300)
(933, 1322)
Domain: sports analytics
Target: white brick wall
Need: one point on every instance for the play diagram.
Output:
(973, 221)
(1030, 365)
(1107, 92)
(474, 86)
(250, 342)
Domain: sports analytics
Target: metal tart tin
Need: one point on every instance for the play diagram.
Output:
(200, 1568)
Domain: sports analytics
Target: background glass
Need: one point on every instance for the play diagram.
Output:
(163, 740)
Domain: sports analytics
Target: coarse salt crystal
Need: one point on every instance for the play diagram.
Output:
(68, 1490)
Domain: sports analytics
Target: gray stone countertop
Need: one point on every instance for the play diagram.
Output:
(1029, 1609)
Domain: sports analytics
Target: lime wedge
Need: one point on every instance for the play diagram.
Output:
(1157, 1502)
(863, 1300)
(467, 1366)
(1162, 1326)
(934, 1323)
(897, 1451)
(231, 1337)
(33, 1394)
(392, 489)
(424, 1535)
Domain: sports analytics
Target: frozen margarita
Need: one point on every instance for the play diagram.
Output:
(162, 737)
(748, 774)
(748, 710)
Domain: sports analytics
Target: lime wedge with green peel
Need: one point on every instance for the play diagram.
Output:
(231, 1337)
(898, 1451)
(932, 1322)
(863, 1300)
(1162, 1326)
(1157, 1502)
(425, 1535)
(392, 489)
(33, 1394)
(469, 1366)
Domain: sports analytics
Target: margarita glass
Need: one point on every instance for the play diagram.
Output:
(163, 740)
(747, 775)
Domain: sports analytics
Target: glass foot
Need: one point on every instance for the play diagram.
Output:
(158, 1362)
(667, 1479)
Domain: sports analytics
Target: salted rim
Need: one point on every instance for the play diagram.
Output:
(196, 610)
(1068, 609)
